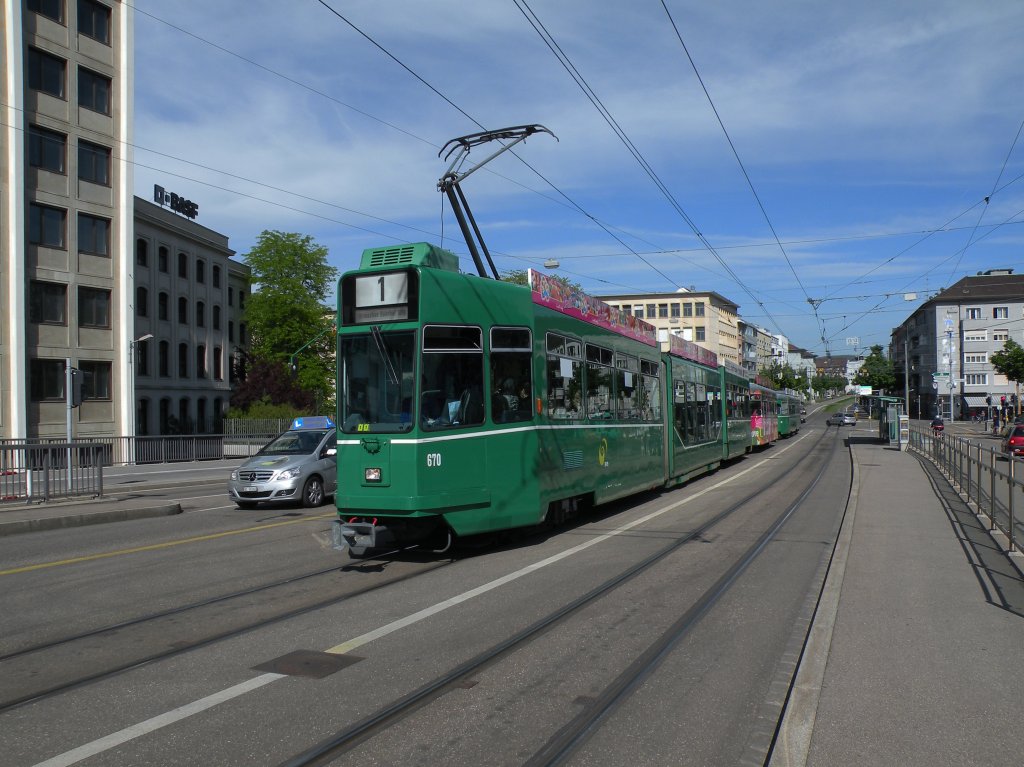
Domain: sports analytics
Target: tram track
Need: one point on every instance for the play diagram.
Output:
(164, 628)
(566, 740)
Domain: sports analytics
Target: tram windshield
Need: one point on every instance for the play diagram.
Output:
(376, 380)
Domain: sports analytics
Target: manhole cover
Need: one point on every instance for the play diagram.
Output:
(309, 663)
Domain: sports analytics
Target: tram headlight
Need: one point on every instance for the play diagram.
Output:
(372, 475)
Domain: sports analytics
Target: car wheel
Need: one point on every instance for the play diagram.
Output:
(313, 493)
(245, 504)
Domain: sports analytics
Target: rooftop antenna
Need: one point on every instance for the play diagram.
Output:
(453, 177)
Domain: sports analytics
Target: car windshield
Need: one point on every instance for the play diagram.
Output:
(294, 443)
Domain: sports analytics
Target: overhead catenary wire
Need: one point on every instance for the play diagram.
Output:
(606, 114)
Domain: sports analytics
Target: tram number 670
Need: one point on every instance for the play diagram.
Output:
(433, 460)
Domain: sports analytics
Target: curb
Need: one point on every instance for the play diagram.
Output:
(17, 527)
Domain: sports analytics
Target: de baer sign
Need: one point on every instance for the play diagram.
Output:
(174, 202)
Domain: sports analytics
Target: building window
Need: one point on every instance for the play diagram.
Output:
(93, 308)
(200, 271)
(201, 415)
(165, 359)
(93, 91)
(183, 360)
(241, 333)
(97, 380)
(1000, 335)
(662, 311)
(46, 225)
(976, 379)
(142, 354)
(216, 276)
(93, 163)
(47, 149)
(46, 380)
(216, 317)
(183, 311)
(48, 303)
(231, 296)
(976, 335)
(241, 300)
(687, 310)
(161, 259)
(976, 359)
(231, 331)
(46, 73)
(1000, 312)
(201, 361)
(94, 20)
(674, 310)
(141, 252)
(698, 309)
(652, 311)
(972, 313)
(183, 265)
(200, 314)
(93, 235)
(627, 310)
(638, 311)
(142, 301)
(699, 333)
(163, 307)
(218, 364)
(53, 9)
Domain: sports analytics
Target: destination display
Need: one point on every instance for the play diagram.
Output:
(378, 297)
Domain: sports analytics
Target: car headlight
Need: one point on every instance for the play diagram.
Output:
(289, 473)
(234, 475)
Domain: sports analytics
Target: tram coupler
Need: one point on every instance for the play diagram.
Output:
(359, 537)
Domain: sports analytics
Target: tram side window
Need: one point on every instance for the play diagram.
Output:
(599, 382)
(649, 398)
(511, 378)
(714, 396)
(564, 377)
(627, 388)
(452, 377)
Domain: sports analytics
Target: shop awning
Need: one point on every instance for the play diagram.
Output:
(975, 400)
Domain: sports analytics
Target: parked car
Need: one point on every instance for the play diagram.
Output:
(842, 419)
(297, 465)
(1013, 442)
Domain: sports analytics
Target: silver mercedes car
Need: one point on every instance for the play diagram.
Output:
(298, 465)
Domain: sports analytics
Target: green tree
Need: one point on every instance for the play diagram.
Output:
(519, 277)
(1009, 361)
(286, 311)
(877, 371)
(822, 383)
(783, 376)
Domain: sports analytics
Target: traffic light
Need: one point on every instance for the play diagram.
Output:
(77, 382)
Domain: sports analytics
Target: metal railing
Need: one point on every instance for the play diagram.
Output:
(120, 451)
(42, 472)
(984, 476)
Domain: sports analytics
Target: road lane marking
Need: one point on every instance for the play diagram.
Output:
(157, 546)
(121, 737)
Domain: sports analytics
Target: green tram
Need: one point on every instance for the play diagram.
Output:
(788, 406)
(469, 405)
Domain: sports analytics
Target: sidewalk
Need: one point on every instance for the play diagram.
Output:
(916, 654)
(127, 494)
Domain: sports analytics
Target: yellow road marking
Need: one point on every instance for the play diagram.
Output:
(156, 546)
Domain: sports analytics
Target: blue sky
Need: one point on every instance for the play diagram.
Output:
(871, 134)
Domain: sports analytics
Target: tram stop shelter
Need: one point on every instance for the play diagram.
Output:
(893, 423)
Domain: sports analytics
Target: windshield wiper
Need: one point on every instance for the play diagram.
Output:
(382, 349)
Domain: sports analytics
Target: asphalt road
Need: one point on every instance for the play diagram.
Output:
(173, 640)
